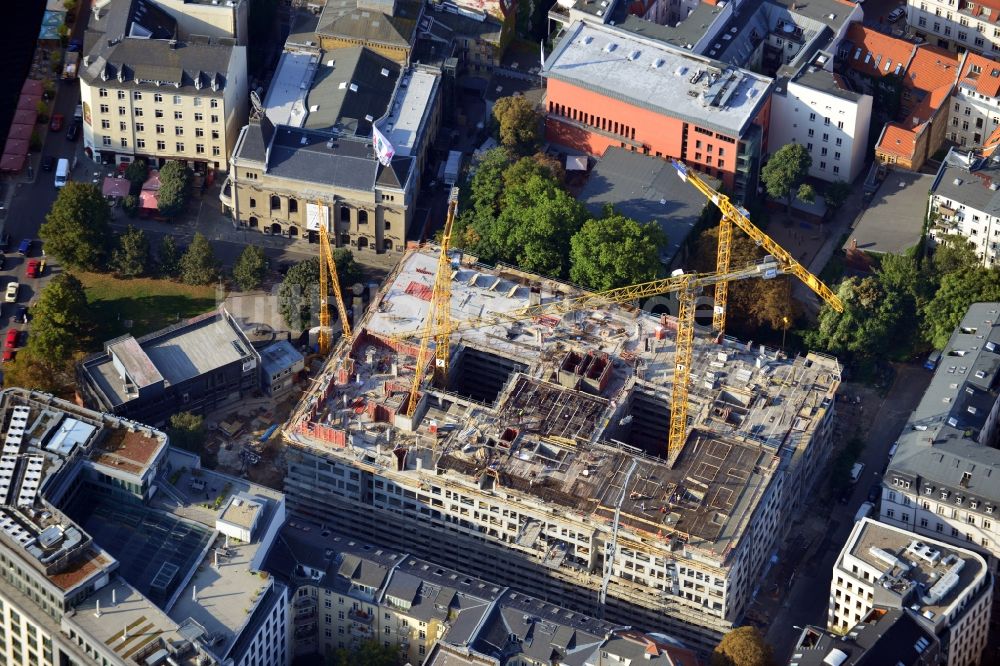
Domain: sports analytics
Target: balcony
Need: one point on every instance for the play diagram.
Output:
(360, 616)
(226, 193)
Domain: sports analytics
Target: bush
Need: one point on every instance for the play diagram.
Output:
(130, 204)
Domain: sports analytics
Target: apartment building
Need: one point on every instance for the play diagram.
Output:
(308, 159)
(939, 482)
(208, 18)
(388, 27)
(586, 427)
(603, 87)
(963, 201)
(147, 93)
(975, 103)
(883, 636)
(950, 589)
(103, 561)
(815, 108)
(957, 25)
(348, 592)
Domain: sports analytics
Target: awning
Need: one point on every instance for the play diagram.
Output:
(147, 200)
(51, 20)
(18, 131)
(12, 162)
(32, 87)
(115, 187)
(29, 102)
(16, 147)
(576, 163)
(26, 116)
(152, 183)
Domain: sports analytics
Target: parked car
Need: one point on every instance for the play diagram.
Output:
(74, 46)
(56, 123)
(73, 131)
(25, 247)
(10, 342)
(874, 492)
(896, 14)
(10, 296)
(8, 355)
(21, 314)
(33, 269)
(856, 471)
(48, 163)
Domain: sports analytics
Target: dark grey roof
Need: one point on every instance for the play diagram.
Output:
(446, 25)
(340, 107)
(347, 21)
(254, 139)
(119, 19)
(884, 637)
(316, 157)
(142, 63)
(969, 182)
(362, 571)
(645, 189)
(824, 81)
(943, 440)
(893, 221)
(681, 35)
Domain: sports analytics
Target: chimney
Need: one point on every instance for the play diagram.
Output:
(194, 593)
(97, 613)
(114, 597)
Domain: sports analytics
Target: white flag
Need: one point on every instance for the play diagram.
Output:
(383, 149)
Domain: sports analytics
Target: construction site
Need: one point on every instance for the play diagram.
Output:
(535, 450)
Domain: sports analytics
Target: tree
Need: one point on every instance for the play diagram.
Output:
(61, 321)
(348, 271)
(743, 646)
(785, 170)
(169, 256)
(536, 221)
(519, 123)
(954, 253)
(131, 255)
(198, 265)
(481, 199)
(130, 204)
(806, 193)
(187, 431)
(175, 182)
(298, 295)
(868, 325)
(42, 109)
(957, 292)
(136, 172)
(750, 303)
(369, 653)
(77, 227)
(836, 194)
(615, 251)
(250, 268)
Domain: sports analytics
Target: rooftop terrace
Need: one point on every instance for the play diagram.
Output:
(557, 407)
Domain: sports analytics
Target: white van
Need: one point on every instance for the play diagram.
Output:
(856, 471)
(62, 172)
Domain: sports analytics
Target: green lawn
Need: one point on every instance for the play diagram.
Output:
(150, 304)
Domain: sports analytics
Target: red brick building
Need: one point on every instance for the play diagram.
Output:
(606, 87)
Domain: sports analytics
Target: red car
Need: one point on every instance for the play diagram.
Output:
(8, 355)
(33, 270)
(57, 122)
(11, 340)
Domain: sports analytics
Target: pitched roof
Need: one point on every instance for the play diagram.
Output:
(981, 74)
(877, 54)
(372, 27)
(350, 85)
(931, 68)
(897, 140)
(991, 143)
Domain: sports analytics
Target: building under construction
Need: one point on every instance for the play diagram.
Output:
(543, 460)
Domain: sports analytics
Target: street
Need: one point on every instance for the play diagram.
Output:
(828, 525)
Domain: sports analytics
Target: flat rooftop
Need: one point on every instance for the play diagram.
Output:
(558, 407)
(285, 102)
(937, 574)
(131, 451)
(411, 107)
(636, 70)
(893, 221)
(646, 189)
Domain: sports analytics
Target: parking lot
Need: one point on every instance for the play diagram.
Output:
(20, 279)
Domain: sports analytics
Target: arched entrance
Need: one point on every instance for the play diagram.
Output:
(293, 231)
(387, 245)
(275, 229)
(253, 222)
(362, 243)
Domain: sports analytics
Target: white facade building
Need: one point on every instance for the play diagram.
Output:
(816, 110)
(957, 25)
(975, 104)
(884, 566)
(965, 201)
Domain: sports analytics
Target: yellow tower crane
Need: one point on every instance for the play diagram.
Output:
(733, 214)
(438, 315)
(328, 273)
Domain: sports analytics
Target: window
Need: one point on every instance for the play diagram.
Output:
(198, 117)
(121, 110)
(105, 108)
(103, 92)
(158, 113)
(105, 124)
(836, 155)
(199, 132)
(121, 126)
(158, 98)
(161, 145)
(180, 147)
(293, 206)
(136, 95)
(836, 169)
(809, 147)
(275, 202)
(178, 115)
(139, 127)
(963, 36)
(106, 140)
(177, 99)
(253, 204)
(160, 129)
(840, 142)
(215, 135)
(812, 116)
(811, 133)
(197, 101)
(826, 121)
(140, 143)
(345, 214)
(216, 151)
(890, 513)
(214, 104)
(215, 120)
(822, 165)
(178, 131)
(922, 22)
(822, 152)
(840, 124)
(362, 217)
(199, 148)
(138, 112)
(124, 142)
(826, 137)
